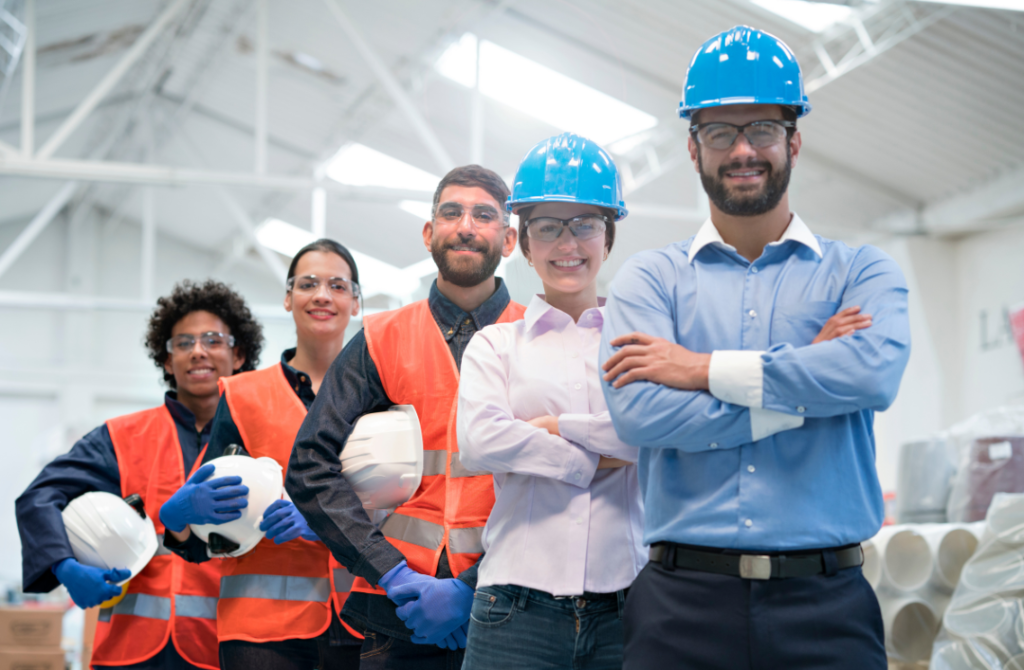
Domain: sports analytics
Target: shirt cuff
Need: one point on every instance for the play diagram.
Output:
(766, 422)
(580, 467)
(575, 428)
(737, 377)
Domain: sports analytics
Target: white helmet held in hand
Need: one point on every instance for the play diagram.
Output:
(264, 478)
(383, 458)
(107, 532)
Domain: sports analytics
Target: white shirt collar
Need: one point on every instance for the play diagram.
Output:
(797, 231)
(539, 308)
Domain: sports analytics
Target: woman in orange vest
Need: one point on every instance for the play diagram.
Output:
(166, 621)
(278, 603)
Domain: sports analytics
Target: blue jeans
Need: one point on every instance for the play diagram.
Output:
(516, 628)
(381, 652)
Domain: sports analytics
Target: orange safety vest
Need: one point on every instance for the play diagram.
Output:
(451, 506)
(290, 585)
(170, 597)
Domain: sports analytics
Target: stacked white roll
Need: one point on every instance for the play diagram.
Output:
(984, 624)
(914, 569)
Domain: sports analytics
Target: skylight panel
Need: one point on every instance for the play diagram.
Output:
(283, 237)
(814, 16)
(541, 92)
(1013, 5)
(422, 210)
(359, 165)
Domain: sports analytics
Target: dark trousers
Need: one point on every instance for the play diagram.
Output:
(288, 655)
(381, 652)
(167, 659)
(701, 621)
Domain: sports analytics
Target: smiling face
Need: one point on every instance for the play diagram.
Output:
(743, 180)
(468, 253)
(196, 372)
(322, 313)
(568, 265)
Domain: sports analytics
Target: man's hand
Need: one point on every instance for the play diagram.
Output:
(607, 463)
(843, 323)
(654, 359)
(548, 423)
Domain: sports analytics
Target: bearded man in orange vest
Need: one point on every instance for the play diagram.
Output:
(416, 573)
(167, 618)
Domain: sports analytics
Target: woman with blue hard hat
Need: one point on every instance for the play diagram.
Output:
(746, 363)
(563, 541)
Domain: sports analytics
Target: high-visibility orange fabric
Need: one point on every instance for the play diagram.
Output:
(451, 506)
(268, 414)
(150, 463)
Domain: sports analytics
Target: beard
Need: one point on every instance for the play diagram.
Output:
(742, 204)
(465, 272)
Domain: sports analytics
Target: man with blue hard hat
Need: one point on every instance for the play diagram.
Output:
(747, 363)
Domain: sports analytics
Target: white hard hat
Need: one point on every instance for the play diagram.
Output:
(383, 458)
(107, 532)
(264, 479)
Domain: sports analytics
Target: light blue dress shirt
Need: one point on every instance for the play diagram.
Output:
(781, 455)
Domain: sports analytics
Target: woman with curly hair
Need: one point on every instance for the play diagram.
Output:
(289, 578)
(165, 616)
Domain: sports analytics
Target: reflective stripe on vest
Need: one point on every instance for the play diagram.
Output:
(414, 531)
(276, 587)
(459, 470)
(466, 540)
(434, 461)
(139, 604)
(199, 607)
(343, 580)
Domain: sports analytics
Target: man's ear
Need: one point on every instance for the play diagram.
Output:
(428, 234)
(509, 245)
(795, 143)
(692, 146)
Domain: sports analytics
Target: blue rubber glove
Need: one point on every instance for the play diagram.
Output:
(402, 575)
(457, 640)
(201, 501)
(439, 609)
(283, 522)
(89, 586)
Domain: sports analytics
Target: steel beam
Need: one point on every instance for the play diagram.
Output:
(36, 226)
(262, 30)
(393, 87)
(476, 123)
(28, 82)
(72, 302)
(164, 175)
(95, 97)
(319, 207)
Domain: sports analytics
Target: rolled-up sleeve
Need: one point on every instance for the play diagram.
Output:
(492, 439)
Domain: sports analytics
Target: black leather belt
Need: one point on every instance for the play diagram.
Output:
(756, 566)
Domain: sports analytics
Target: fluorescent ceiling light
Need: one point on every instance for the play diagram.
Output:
(1014, 5)
(359, 165)
(814, 16)
(375, 276)
(541, 92)
(423, 211)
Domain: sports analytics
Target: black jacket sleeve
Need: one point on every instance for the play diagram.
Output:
(351, 388)
(91, 465)
(223, 433)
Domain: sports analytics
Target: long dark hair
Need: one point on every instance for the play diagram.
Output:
(327, 246)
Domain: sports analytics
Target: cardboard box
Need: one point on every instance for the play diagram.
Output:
(29, 658)
(35, 627)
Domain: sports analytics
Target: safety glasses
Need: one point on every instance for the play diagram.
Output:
(549, 229)
(310, 285)
(759, 134)
(211, 341)
(481, 216)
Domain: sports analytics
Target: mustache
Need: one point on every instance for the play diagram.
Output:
(752, 164)
(475, 246)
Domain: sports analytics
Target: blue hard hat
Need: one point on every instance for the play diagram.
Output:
(568, 168)
(743, 65)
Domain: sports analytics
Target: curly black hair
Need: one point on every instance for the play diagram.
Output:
(210, 296)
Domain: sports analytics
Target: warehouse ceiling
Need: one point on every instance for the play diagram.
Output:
(916, 131)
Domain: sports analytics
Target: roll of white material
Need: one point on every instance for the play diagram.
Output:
(951, 546)
(905, 556)
(993, 619)
(957, 655)
(910, 627)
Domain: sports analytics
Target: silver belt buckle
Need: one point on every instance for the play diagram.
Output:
(755, 567)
